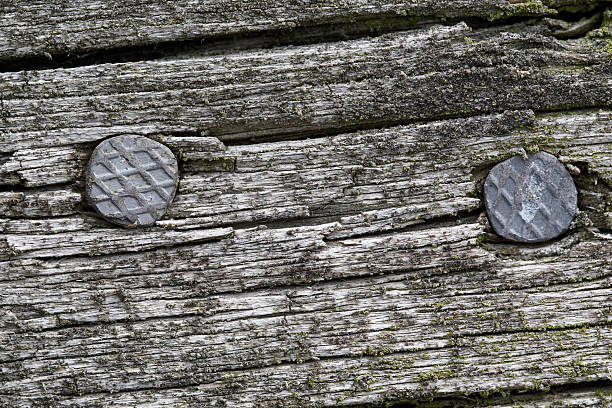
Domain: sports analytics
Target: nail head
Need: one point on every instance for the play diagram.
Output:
(531, 199)
(131, 180)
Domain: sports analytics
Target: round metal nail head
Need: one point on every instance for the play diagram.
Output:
(131, 180)
(530, 200)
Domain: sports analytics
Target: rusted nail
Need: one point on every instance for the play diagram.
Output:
(531, 199)
(131, 180)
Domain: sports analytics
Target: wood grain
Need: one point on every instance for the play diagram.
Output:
(380, 179)
(316, 89)
(75, 27)
(437, 292)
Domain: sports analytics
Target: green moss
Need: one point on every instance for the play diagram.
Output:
(377, 351)
(527, 8)
(216, 164)
(607, 46)
(435, 375)
(582, 6)
(314, 382)
(479, 240)
(394, 363)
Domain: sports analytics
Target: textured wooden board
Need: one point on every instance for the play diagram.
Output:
(437, 296)
(374, 278)
(472, 365)
(316, 89)
(370, 181)
(42, 166)
(77, 27)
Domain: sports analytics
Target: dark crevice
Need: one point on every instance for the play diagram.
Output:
(580, 28)
(462, 217)
(284, 223)
(221, 44)
(547, 395)
(314, 132)
(215, 45)
(41, 217)
(580, 19)
(305, 133)
(20, 188)
(322, 31)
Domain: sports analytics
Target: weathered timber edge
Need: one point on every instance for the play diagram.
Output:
(102, 26)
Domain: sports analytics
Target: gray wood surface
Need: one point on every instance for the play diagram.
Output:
(416, 75)
(79, 27)
(328, 243)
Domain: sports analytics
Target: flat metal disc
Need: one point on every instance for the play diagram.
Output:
(131, 180)
(530, 200)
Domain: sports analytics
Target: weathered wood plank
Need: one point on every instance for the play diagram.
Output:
(48, 166)
(410, 173)
(421, 74)
(252, 258)
(472, 365)
(589, 396)
(437, 288)
(77, 27)
(380, 180)
(48, 225)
